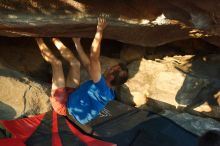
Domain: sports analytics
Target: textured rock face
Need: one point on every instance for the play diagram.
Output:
(140, 22)
(169, 84)
(20, 96)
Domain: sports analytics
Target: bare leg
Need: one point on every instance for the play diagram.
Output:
(73, 77)
(58, 80)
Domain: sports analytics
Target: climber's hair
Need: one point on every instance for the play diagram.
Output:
(120, 76)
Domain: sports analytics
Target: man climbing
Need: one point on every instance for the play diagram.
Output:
(82, 102)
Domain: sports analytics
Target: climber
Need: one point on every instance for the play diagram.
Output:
(82, 102)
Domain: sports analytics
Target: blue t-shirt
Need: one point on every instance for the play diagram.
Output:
(88, 100)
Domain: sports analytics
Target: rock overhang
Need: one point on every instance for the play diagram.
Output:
(145, 23)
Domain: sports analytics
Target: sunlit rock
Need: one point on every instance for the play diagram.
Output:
(21, 96)
(163, 84)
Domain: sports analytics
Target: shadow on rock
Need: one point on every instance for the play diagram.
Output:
(7, 112)
(199, 93)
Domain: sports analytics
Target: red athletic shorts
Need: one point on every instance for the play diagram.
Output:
(58, 99)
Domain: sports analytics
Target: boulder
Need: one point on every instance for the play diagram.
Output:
(162, 84)
(21, 96)
(146, 23)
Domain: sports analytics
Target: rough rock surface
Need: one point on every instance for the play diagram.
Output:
(21, 96)
(140, 22)
(173, 84)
